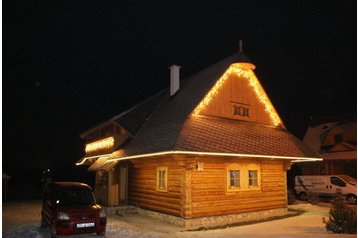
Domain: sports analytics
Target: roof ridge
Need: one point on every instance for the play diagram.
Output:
(135, 106)
(147, 118)
(118, 116)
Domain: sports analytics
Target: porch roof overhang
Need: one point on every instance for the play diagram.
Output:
(101, 162)
(108, 165)
(97, 164)
(88, 158)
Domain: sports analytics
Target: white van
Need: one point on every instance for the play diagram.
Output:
(326, 186)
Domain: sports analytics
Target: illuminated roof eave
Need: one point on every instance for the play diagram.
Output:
(178, 152)
(82, 161)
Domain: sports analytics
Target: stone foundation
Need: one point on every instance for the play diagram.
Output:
(202, 222)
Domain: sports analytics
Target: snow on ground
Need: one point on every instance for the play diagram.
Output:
(22, 220)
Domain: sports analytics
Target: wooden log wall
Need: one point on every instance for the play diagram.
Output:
(193, 193)
(142, 175)
(209, 195)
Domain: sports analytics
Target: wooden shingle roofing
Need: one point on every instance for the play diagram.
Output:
(133, 119)
(213, 134)
(169, 126)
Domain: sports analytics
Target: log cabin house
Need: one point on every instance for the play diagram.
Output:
(211, 145)
(335, 139)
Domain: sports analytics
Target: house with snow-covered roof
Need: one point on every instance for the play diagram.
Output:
(335, 138)
(212, 145)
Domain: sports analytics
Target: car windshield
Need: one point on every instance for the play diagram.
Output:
(67, 197)
(348, 179)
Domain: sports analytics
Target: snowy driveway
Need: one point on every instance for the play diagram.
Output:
(22, 219)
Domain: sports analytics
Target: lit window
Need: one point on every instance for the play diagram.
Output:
(234, 178)
(241, 111)
(162, 177)
(253, 179)
(243, 177)
(245, 112)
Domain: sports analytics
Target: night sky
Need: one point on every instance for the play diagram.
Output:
(69, 65)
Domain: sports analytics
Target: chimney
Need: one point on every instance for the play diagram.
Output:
(174, 78)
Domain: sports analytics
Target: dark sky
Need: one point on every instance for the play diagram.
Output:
(68, 65)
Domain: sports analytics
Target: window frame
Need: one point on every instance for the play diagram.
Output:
(244, 178)
(165, 188)
(252, 179)
(233, 179)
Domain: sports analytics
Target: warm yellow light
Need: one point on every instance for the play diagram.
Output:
(172, 152)
(197, 153)
(244, 71)
(261, 95)
(83, 160)
(103, 144)
(246, 65)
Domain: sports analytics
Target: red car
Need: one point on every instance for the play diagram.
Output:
(70, 208)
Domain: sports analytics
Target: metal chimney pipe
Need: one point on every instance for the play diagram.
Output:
(174, 78)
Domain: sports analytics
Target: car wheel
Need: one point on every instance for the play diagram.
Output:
(351, 199)
(303, 196)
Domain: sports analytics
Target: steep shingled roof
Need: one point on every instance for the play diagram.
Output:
(212, 134)
(133, 119)
(162, 128)
(170, 127)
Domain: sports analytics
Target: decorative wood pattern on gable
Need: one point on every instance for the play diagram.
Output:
(237, 100)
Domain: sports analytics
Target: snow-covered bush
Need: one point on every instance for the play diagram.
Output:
(343, 218)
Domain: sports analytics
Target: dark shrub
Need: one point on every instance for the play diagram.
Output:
(313, 198)
(343, 218)
(291, 197)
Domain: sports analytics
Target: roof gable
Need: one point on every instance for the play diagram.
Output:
(315, 135)
(239, 95)
(342, 146)
(165, 128)
(161, 129)
(178, 123)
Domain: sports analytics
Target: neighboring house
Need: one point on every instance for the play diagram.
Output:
(336, 140)
(212, 146)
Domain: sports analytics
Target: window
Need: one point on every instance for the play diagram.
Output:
(245, 112)
(253, 179)
(234, 178)
(243, 177)
(162, 177)
(241, 111)
(338, 182)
